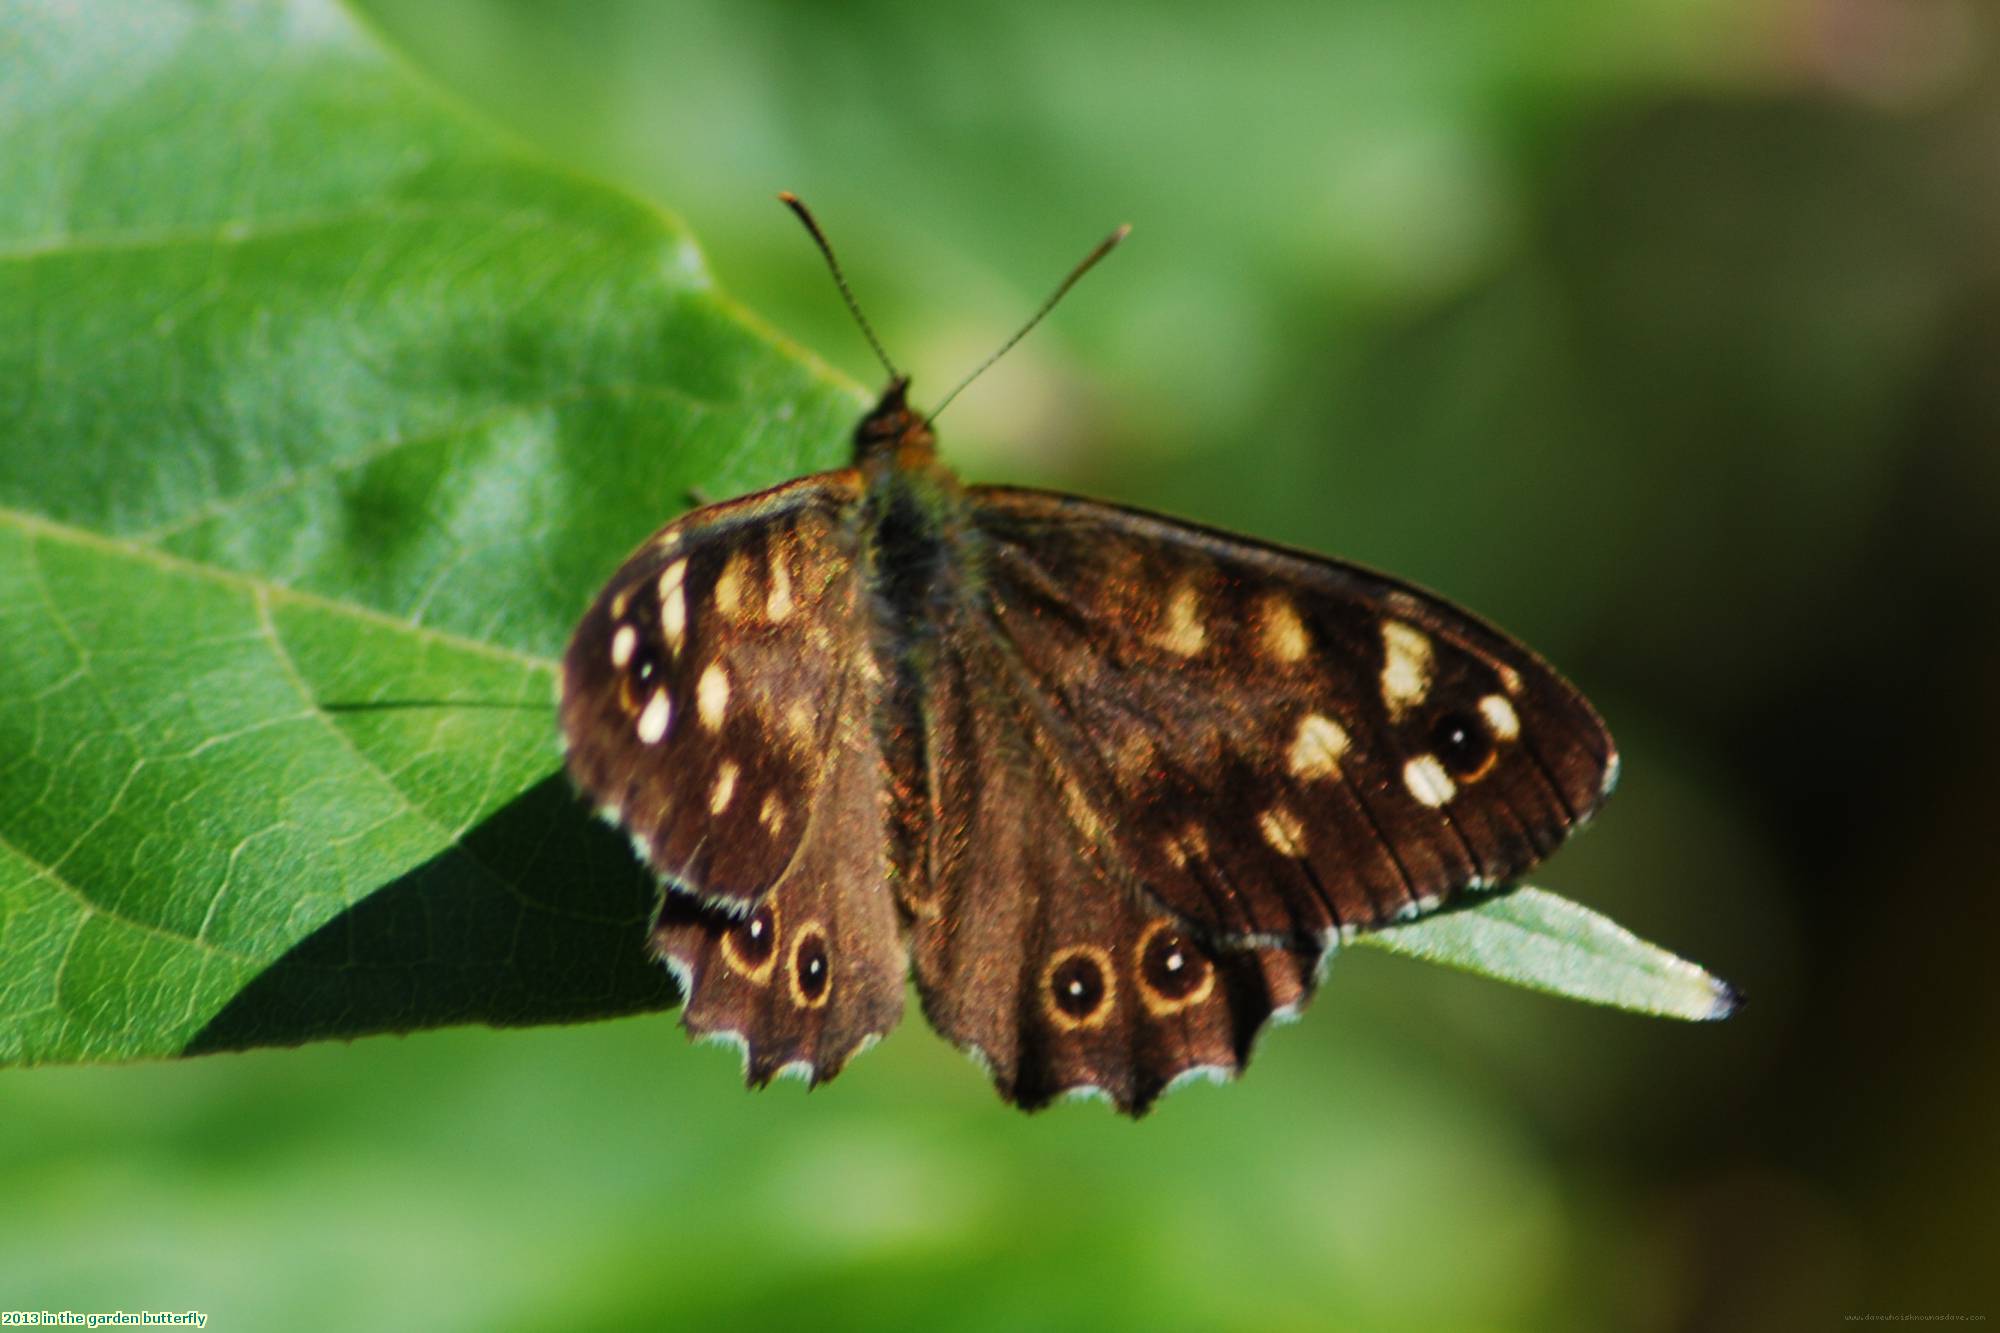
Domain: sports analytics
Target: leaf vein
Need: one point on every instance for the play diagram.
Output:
(35, 525)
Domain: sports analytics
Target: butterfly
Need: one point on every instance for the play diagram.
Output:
(1112, 786)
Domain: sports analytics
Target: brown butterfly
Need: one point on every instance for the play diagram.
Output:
(1114, 785)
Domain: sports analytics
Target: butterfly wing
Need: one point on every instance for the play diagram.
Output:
(1145, 727)
(815, 972)
(1280, 747)
(716, 704)
(698, 690)
(1029, 953)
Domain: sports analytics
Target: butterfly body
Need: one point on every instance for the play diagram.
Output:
(1111, 786)
(916, 543)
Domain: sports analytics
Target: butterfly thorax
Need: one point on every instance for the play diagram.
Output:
(913, 521)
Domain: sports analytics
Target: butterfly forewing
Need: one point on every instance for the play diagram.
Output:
(702, 690)
(1275, 747)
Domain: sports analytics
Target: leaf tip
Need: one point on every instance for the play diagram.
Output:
(1727, 1001)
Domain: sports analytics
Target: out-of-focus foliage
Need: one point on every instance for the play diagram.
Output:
(1662, 333)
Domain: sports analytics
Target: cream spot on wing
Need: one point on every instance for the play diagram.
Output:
(1500, 717)
(1427, 780)
(1191, 845)
(1406, 668)
(1284, 634)
(1510, 679)
(771, 814)
(712, 696)
(1134, 755)
(725, 787)
(778, 605)
(1317, 748)
(1081, 813)
(620, 600)
(653, 721)
(799, 722)
(729, 585)
(1282, 829)
(1183, 632)
(669, 541)
(673, 604)
(623, 644)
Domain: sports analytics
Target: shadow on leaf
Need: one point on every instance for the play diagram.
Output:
(537, 916)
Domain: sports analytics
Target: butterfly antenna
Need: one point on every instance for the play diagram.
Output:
(797, 206)
(1104, 247)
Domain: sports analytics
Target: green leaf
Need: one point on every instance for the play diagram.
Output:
(1533, 938)
(322, 398)
(329, 410)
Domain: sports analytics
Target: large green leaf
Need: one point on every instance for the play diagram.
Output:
(320, 396)
(327, 412)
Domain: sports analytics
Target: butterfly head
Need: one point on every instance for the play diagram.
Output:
(892, 432)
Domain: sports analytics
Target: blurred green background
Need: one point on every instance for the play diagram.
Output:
(1664, 333)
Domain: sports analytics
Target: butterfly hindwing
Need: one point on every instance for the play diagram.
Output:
(1031, 954)
(815, 972)
(699, 692)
